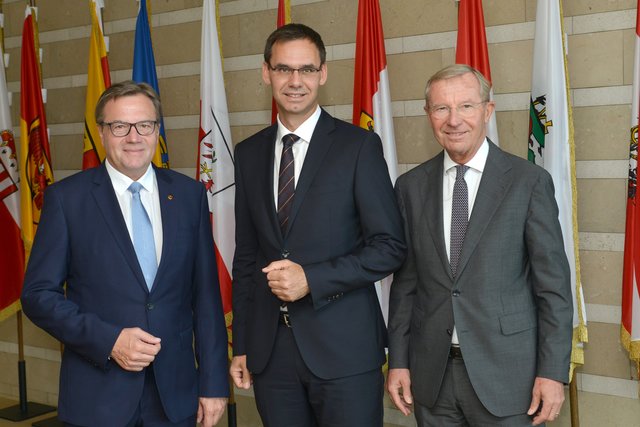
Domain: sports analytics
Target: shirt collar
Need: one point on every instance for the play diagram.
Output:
(121, 182)
(478, 161)
(305, 130)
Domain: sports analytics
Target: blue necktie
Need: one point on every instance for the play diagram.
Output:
(143, 241)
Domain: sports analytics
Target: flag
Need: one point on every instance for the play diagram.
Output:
(144, 70)
(284, 17)
(98, 79)
(11, 249)
(551, 146)
(471, 48)
(630, 324)
(372, 100)
(35, 158)
(215, 158)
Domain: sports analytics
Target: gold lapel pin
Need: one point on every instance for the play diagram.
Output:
(170, 197)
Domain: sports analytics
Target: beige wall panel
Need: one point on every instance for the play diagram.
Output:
(414, 140)
(511, 65)
(246, 91)
(174, 44)
(122, 9)
(12, 73)
(9, 329)
(500, 12)
(43, 375)
(238, 40)
(163, 6)
(65, 58)
(418, 17)
(13, 18)
(66, 152)
(605, 355)
(593, 195)
(120, 51)
(530, 9)
(586, 7)
(339, 87)
(595, 59)
(36, 337)
(62, 14)
(240, 133)
(599, 410)
(628, 50)
(602, 133)
(513, 127)
(183, 147)
(409, 72)
(66, 105)
(601, 276)
(334, 20)
(9, 366)
(180, 96)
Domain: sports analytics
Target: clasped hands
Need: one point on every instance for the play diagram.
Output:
(286, 280)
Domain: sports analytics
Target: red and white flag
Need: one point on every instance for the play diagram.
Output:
(11, 249)
(472, 50)
(630, 325)
(215, 155)
(372, 100)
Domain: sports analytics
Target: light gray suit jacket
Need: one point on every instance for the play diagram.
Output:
(511, 301)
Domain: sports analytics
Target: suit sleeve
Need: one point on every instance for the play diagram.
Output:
(209, 324)
(403, 292)
(43, 296)
(382, 250)
(551, 282)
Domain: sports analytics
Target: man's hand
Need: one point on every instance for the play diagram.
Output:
(287, 280)
(239, 372)
(546, 401)
(399, 389)
(210, 410)
(135, 349)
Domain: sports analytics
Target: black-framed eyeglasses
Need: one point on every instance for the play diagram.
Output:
(144, 128)
(286, 71)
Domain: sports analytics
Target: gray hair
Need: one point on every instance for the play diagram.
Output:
(457, 70)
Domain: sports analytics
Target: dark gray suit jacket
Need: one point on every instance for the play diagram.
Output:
(511, 302)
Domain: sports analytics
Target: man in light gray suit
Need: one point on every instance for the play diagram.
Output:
(480, 318)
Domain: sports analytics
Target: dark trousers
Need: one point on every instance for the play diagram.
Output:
(150, 412)
(289, 395)
(458, 405)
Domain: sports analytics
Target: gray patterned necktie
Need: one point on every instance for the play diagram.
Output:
(459, 217)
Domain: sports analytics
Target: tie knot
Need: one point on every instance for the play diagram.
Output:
(289, 139)
(135, 187)
(460, 171)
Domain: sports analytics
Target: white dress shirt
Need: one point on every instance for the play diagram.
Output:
(304, 131)
(472, 177)
(148, 195)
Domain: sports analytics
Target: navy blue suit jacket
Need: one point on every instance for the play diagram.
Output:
(345, 230)
(82, 240)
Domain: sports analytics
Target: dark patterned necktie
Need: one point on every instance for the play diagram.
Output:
(286, 181)
(459, 217)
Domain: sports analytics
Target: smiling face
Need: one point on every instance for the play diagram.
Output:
(296, 95)
(460, 136)
(130, 154)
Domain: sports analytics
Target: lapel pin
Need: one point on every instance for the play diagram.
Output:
(170, 197)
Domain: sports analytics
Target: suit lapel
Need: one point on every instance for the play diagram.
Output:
(494, 185)
(169, 204)
(265, 170)
(319, 145)
(106, 200)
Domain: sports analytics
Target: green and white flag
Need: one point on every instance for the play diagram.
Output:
(551, 145)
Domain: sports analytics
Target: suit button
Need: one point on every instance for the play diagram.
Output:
(150, 306)
(285, 254)
(450, 332)
(455, 293)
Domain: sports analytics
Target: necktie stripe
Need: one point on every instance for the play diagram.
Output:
(286, 181)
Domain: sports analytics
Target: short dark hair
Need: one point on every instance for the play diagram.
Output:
(127, 88)
(292, 32)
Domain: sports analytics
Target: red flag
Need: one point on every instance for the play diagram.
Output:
(36, 173)
(630, 325)
(372, 100)
(471, 47)
(284, 17)
(11, 249)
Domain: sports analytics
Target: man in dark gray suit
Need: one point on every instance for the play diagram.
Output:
(480, 318)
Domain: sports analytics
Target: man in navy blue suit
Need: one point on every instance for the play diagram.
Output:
(316, 225)
(136, 305)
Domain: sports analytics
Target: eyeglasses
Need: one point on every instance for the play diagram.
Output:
(285, 71)
(144, 128)
(467, 109)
